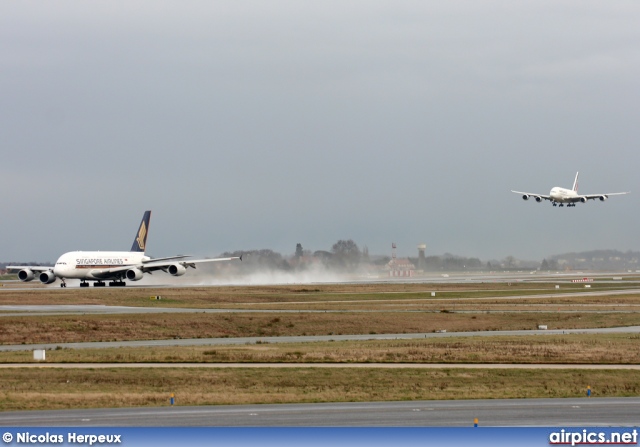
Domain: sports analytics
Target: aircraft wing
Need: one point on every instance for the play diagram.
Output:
(34, 268)
(164, 263)
(109, 273)
(537, 197)
(602, 197)
(157, 264)
(165, 259)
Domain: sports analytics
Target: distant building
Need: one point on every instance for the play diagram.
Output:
(400, 268)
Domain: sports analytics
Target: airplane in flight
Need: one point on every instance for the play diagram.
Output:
(116, 266)
(561, 196)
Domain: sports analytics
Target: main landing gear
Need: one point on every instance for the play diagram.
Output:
(84, 283)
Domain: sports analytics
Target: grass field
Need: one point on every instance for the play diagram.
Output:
(325, 295)
(546, 349)
(85, 328)
(28, 389)
(322, 310)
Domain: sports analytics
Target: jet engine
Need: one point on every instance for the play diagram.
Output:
(134, 274)
(177, 269)
(583, 199)
(26, 275)
(538, 199)
(47, 277)
(603, 198)
(525, 197)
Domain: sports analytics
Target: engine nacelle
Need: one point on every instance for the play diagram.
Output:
(583, 199)
(26, 275)
(47, 277)
(525, 197)
(603, 198)
(177, 269)
(538, 199)
(134, 274)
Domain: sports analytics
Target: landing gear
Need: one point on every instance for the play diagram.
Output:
(555, 204)
(117, 283)
(63, 284)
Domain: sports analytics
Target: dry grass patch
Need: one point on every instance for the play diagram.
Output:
(60, 388)
(544, 349)
(64, 329)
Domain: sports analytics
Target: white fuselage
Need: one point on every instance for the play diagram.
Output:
(563, 195)
(82, 264)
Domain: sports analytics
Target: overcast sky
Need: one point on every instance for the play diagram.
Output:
(254, 124)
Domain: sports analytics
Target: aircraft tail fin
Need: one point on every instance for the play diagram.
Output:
(575, 183)
(140, 241)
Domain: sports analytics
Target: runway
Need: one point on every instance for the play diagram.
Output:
(490, 413)
(614, 277)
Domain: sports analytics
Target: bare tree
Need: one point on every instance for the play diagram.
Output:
(346, 254)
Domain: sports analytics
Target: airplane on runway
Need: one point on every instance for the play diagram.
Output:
(559, 196)
(116, 266)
